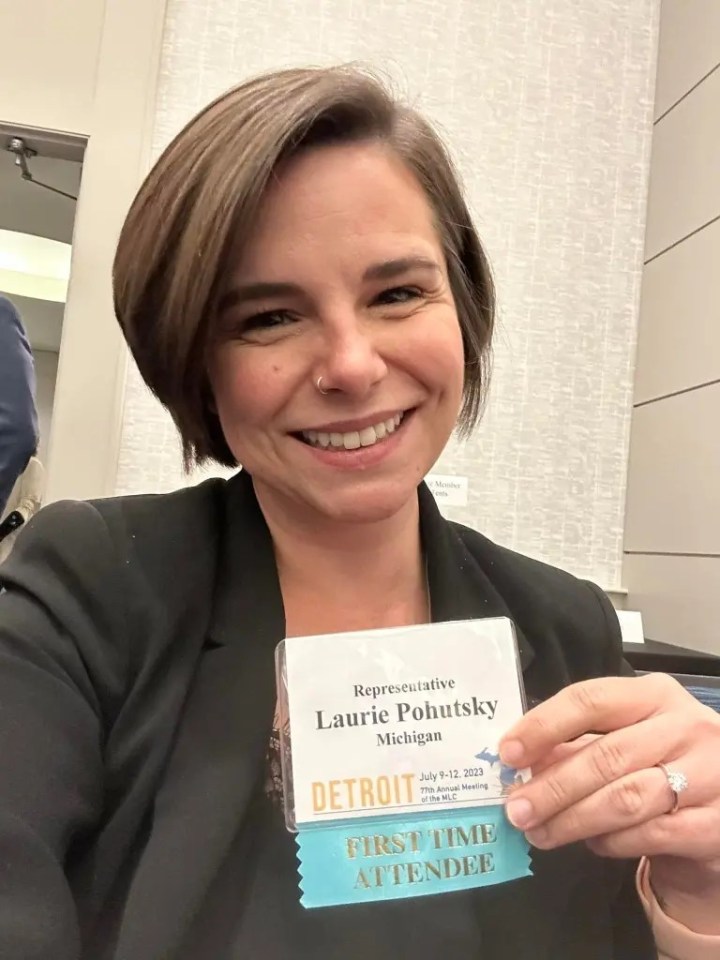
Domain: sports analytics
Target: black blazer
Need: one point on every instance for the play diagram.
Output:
(136, 702)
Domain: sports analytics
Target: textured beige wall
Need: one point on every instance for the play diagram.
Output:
(672, 540)
(548, 108)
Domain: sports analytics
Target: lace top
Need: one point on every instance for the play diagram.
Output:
(273, 779)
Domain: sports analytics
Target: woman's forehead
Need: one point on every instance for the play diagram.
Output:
(355, 201)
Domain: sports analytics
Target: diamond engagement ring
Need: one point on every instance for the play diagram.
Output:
(677, 782)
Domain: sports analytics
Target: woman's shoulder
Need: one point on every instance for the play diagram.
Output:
(118, 580)
(189, 515)
(158, 547)
(156, 550)
(198, 503)
(513, 566)
(551, 604)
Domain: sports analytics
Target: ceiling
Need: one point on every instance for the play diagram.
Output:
(29, 208)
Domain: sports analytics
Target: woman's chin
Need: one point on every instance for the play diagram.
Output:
(364, 500)
(374, 504)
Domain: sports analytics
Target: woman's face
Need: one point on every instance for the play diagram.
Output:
(344, 279)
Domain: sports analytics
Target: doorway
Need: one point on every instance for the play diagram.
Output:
(40, 175)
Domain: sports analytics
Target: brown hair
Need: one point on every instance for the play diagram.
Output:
(200, 200)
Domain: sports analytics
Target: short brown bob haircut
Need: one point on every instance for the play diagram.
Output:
(196, 210)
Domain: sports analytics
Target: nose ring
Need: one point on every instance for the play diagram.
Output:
(318, 384)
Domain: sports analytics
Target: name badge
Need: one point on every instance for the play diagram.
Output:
(391, 771)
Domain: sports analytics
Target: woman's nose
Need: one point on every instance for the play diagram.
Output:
(352, 363)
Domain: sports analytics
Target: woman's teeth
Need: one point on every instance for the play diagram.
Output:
(355, 438)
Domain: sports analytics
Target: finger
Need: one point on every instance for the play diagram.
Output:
(597, 764)
(563, 751)
(592, 706)
(692, 833)
(620, 805)
(642, 796)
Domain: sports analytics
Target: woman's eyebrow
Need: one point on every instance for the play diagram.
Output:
(383, 270)
(256, 291)
(388, 269)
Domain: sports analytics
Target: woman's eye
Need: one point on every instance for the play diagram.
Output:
(268, 320)
(398, 295)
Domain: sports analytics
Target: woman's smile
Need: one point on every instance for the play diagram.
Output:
(351, 446)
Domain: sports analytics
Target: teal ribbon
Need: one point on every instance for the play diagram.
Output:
(389, 858)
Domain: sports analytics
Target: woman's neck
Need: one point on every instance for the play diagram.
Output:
(348, 576)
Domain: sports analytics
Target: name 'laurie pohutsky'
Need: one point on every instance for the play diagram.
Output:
(403, 711)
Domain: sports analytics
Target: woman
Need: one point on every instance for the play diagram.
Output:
(301, 285)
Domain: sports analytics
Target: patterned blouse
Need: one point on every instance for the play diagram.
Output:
(274, 780)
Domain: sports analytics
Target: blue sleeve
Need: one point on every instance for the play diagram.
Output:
(18, 416)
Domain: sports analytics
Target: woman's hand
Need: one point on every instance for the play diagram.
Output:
(594, 750)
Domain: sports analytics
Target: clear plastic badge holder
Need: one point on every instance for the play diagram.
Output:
(389, 752)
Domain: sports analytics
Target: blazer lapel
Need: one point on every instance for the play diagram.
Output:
(218, 757)
(459, 587)
(217, 762)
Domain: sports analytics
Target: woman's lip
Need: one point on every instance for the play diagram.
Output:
(361, 458)
(349, 426)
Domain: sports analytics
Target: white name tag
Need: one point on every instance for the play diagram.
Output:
(399, 721)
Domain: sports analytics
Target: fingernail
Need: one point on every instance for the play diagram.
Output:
(519, 812)
(537, 837)
(511, 753)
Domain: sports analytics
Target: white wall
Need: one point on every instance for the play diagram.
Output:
(46, 363)
(672, 541)
(49, 60)
(548, 107)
